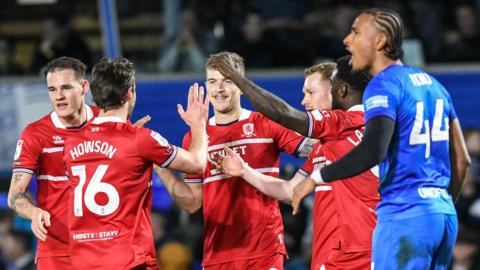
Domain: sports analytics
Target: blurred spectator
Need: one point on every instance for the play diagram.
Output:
(464, 40)
(467, 250)
(171, 13)
(283, 20)
(189, 49)
(16, 248)
(428, 18)
(468, 205)
(252, 40)
(325, 29)
(6, 221)
(175, 256)
(159, 228)
(7, 63)
(59, 39)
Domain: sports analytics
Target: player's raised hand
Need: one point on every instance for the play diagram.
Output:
(197, 106)
(232, 164)
(301, 191)
(142, 121)
(40, 221)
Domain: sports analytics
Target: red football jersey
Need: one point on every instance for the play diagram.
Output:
(329, 124)
(109, 163)
(344, 211)
(241, 222)
(40, 151)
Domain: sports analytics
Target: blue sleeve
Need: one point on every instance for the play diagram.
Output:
(381, 98)
(452, 114)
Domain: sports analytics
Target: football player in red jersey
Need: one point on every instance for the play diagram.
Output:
(243, 227)
(109, 163)
(39, 151)
(344, 215)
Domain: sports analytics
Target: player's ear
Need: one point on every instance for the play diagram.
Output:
(381, 41)
(85, 87)
(342, 90)
(130, 94)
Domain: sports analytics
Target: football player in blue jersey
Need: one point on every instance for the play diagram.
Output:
(413, 133)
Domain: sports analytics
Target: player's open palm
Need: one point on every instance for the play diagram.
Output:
(40, 221)
(197, 106)
(232, 164)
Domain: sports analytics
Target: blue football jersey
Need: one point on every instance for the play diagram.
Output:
(415, 174)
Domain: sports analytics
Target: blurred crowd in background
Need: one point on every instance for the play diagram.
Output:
(178, 35)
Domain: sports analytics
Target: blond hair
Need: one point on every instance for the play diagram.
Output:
(238, 62)
(325, 69)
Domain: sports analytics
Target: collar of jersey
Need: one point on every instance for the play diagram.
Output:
(104, 119)
(58, 124)
(356, 108)
(244, 115)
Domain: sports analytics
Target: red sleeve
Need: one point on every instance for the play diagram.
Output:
(154, 147)
(190, 178)
(27, 152)
(328, 125)
(287, 140)
(316, 160)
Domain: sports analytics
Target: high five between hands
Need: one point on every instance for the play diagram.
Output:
(197, 107)
(232, 164)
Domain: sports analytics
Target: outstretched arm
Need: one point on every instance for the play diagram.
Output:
(274, 187)
(187, 196)
(373, 149)
(459, 158)
(195, 159)
(264, 101)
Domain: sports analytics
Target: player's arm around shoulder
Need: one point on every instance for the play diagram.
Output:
(187, 195)
(19, 201)
(264, 101)
(459, 158)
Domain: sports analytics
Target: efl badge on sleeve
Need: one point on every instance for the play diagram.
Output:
(157, 137)
(18, 150)
(248, 130)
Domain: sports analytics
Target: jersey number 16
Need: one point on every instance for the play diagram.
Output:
(95, 185)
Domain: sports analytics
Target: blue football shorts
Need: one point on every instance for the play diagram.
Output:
(424, 242)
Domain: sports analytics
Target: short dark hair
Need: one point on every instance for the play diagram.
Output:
(356, 80)
(390, 23)
(111, 79)
(66, 62)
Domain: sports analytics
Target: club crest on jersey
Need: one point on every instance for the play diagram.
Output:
(157, 137)
(57, 139)
(18, 150)
(248, 130)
